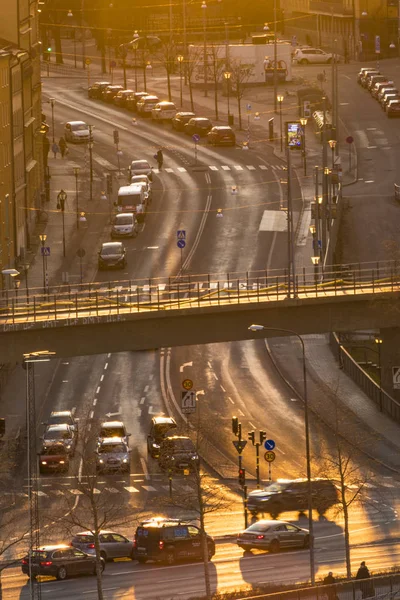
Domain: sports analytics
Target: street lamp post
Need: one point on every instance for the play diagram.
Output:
(90, 144)
(43, 238)
(280, 100)
(227, 76)
(76, 173)
(205, 65)
(378, 341)
(135, 36)
(61, 198)
(303, 122)
(180, 60)
(332, 144)
(315, 262)
(52, 100)
(70, 15)
(307, 435)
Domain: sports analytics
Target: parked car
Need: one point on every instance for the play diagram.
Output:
(163, 111)
(112, 454)
(304, 56)
(124, 225)
(288, 495)
(59, 561)
(160, 428)
(112, 429)
(143, 179)
(112, 255)
(53, 457)
(169, 540)
(146, 42)
(63, 434)
(272, 536)
(110, 92)
(199, 125)
(146, 104)
(122, 96)
(141, 167)
(361, 73)
(366, 76)
(393, 109)
(386, 90)
(133, 99)
(76, 132)
(221, 135)
(112, 544)
(378, 86)
(178, 453)
(180, 119)
(375, 79)
(389, 97)
(96, 90)
(59, 417)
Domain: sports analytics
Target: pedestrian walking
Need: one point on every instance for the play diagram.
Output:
(62, 144)
(329, 580)
(55, 149)
(159, 158)
(366, 586)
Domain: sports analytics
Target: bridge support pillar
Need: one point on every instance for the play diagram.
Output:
(388, 346)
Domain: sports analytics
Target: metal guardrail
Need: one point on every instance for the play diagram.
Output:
(193, 291)
(385, 587)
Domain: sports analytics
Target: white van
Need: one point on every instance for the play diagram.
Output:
(132, 198)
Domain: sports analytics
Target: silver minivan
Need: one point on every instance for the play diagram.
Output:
(124, 225)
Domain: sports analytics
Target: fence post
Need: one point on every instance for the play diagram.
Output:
(198, 294)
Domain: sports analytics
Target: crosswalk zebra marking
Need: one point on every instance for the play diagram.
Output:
(131, 489)
(149, 488)
(238, 167)
(213, 168)
(225, 168)
(169, 170)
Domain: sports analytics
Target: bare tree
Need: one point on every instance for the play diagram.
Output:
(167, 57)
(191, 66)
(218, 66)
(241, 73)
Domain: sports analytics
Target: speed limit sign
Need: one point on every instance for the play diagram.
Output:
(269, 456)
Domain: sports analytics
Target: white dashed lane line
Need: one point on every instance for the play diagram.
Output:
(230, 400)
(146, 389)
(215, 376)
(241, 412)
(98, 389)
(142, 399)
(222, 388)
(91, 414)
(106, 366)
(94, 401)
(102, 377)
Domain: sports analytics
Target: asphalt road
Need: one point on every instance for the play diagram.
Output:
(236, 378)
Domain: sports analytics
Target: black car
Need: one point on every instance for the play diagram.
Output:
(199, 125)
(122, 96)
(133, 99)
(112, 255)
(159, 429)
(109, 93)
(221, 135)
(177, 452)
(180, 119)
(169, 540)
(292, 495)
(96, 90)
(59, 561)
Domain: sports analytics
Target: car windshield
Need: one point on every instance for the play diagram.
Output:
(38, 554)
(275, 487)
(112, 432)
(140, 165)
(79, 127)
(161, 428)
(258, 527)
(83, 539)
(58, 434)
(125, 220)
(54, 450)
(112, 448)
(110, 250)
(59, 419)
(183, 446)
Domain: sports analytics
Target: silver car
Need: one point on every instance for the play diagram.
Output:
(113, 429)
(76, 132)
(124, 225)
(112, 545)
(112, 454)
(141, 167)
(62, 417)
(60, 433)
(273, 535)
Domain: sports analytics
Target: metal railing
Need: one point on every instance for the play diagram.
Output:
(193, 291)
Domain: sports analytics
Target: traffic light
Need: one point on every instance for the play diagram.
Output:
(116, 136)
(242, 477)
(235, 425)
(263, 436)
(252, 437)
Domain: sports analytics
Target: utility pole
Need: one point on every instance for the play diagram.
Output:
(324, 180)
(275, 65)
(90, 162)
(291, 265)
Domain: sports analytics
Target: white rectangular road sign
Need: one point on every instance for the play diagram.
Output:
(396, 378)
(188, 402)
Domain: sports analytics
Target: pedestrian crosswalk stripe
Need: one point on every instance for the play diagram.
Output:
(213, 168)
(131, 489)
(251, 167)
(225, 167)
(39, 493)
(96, 491)
(155, 170)
(149, 488)
(263, 167)
(76, 492)
(113, 490)
(238, 167)
(187, 488)
(182, 169)
(168, 170)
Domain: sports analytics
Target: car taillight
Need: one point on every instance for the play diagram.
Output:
(46, 563)
(24, 561)
(260, 537)
(161, 545)
(91, 546)
(135, 543)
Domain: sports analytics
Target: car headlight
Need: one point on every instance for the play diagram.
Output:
(62, 462)
(68, 446)
(156, 445)
(44, 462)
(101, 461)
(195, 457)
(125, 460)
(172, 457)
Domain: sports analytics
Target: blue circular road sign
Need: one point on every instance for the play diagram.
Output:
(181, 244)
(269, 444)
(196, 138)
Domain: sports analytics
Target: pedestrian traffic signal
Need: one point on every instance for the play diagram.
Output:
(252, 437)
(116, 136)
(263, 436)
(235, 425)
(242, 477)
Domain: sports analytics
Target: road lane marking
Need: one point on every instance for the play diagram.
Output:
(142, 399)
(169, 170)
(213, 168)
(91, 414)
(222, 388)
(102, 377)
(149, 488)
(215, 376)
(252, 425)
(263, 167)
(230, 400)
(98, 389)
(146, 389)
(241, 412)
(238, 167)
(94, 401)
(225, 168)
(106, 366)
(131, 489)
(144, 467)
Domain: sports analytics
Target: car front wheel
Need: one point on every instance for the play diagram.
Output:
(62, 574)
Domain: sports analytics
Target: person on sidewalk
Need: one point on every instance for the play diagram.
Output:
(329, 580)
(366, 587)
(62, 144)
(55, 149)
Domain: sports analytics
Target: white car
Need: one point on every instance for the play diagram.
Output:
(76, 132)
(163, 111)
(305, 56)
(141, 167)
(146, 104)
(142, 179)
